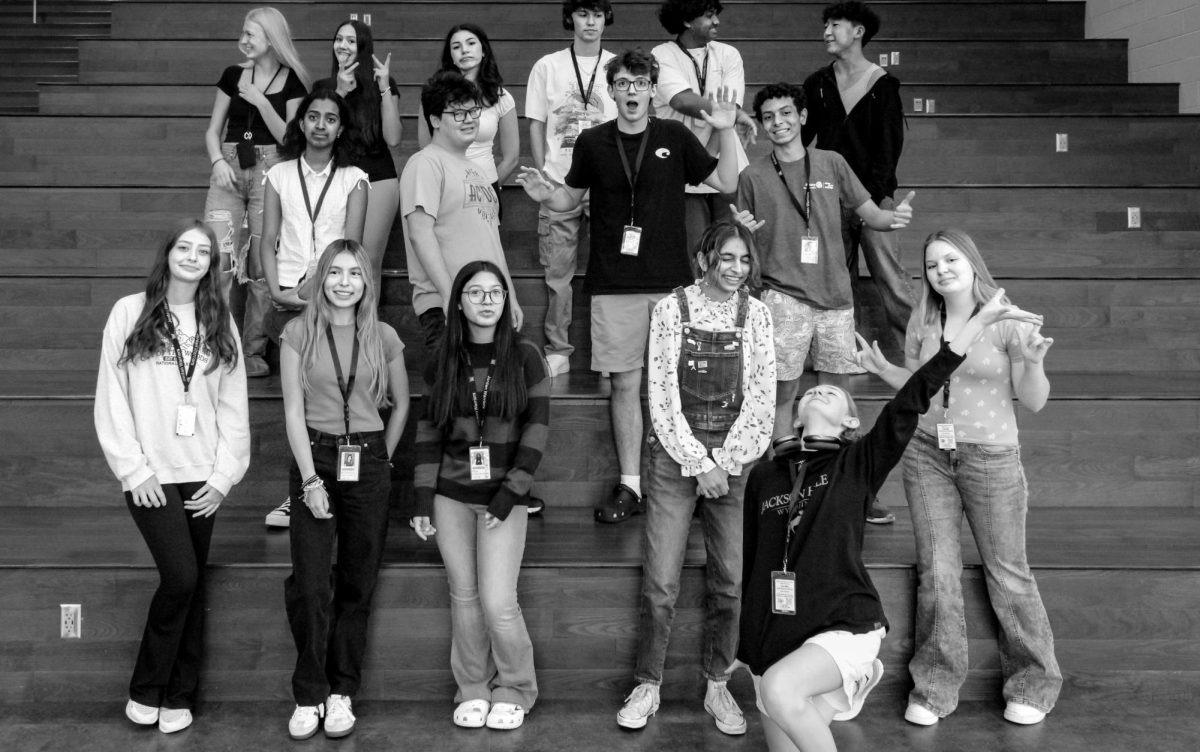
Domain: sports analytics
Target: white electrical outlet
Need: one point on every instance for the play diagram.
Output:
(367, 19)
(918, 104)
(1060, 142)
(353, 16)
(72, 620)
(1135, 217)
(883, 60)
(930, 106)
(895, 58)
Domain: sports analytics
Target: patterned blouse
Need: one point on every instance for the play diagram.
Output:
(748, 438)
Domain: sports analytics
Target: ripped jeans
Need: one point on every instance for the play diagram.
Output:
(230, 212)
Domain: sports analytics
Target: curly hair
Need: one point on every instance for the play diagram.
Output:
(674, 15)
(781, 90)
(636, 61)
(443, 89)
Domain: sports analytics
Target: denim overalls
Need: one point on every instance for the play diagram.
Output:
(710, 369)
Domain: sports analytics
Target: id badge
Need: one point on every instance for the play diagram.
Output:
(809, 250)
(631, 238)
(481, 463)
(185, 420)
(783, 593)
(946, 438)
(349, 456)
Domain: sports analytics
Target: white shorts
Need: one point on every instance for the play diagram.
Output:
(854, 655)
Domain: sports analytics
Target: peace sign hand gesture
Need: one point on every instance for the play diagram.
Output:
(345, 79)
(383, 75)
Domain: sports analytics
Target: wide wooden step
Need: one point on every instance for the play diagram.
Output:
(541, 20)
(1119, 597)
(943, 61)
(939, 149)
(977, 99)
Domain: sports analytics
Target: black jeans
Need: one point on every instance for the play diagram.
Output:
(167, 672)
(327, 607)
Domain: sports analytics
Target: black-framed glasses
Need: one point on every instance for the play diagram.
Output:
(479, 295)
(638, 84)
(461, 116)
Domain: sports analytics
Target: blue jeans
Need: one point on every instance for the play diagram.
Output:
(671, 500)
(987, 484)
(891, 281)
(328, 606)
(491, 654)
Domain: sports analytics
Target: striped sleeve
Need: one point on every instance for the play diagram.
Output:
(534, 426)
(430, 443)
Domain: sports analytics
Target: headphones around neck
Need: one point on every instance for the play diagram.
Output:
(792, 445)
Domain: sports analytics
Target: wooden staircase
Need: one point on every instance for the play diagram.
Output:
(90, 179)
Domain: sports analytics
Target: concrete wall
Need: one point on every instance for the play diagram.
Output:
(1164, 41)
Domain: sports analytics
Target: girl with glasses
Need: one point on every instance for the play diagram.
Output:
(478, 445)
(468, 51)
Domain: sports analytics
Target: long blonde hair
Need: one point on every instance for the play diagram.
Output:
(317, 314)
(279, 36)
(982, 289)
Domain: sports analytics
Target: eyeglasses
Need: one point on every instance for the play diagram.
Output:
(479, 295)
(638, 84)
(461, 116)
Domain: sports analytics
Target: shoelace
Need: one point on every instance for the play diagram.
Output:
(724, 701)
(642, 698)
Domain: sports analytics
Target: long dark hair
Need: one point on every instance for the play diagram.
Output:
(449, 396)
(489, 81)
(345, 148)
(365, 99)
(212, 312)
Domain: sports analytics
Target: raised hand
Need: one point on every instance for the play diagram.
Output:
(746, 219)
(869, 356)
(995, 310)
(724, 108)
(1034, 346)
(383, 75)
(537, 186)
(903, 213)
(345, 78)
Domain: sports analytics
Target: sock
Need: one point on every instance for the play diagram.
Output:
(634, 482)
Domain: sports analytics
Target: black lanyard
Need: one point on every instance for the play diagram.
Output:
(248, 136)
(632, 175)
(477, 404)
(586, 97)
(346, 386)
(701, 77)
(312, 214)
(946, 383)
(806, 210)
(797, 471)
(184, 375)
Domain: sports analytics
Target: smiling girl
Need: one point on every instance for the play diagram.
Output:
(339, 365)
(173, 420)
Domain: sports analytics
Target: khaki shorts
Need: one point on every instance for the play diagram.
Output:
(621, 330)
(854, 655)
(801, 328)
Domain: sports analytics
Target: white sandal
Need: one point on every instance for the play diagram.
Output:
(505, 716)
(471, 714)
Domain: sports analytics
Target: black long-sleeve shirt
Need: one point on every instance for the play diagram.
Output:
(833, 589)
(870, 136)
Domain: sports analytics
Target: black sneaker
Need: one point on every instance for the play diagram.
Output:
(536, 505)
(281, 516)
(622, 505)
(878, 514)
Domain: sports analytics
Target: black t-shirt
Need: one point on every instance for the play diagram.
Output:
(376, 159)
(674, 158)
(240, 109)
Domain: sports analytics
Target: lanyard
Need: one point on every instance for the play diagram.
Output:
(632, 175)
(312, 213)
(477, 404)
(797, 471)
(946, 383)
(586, 97)
(346, 386)
(184, 375)
(701, 78)
(248, 136)
(806, 210)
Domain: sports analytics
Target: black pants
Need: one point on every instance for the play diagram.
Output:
(328, 607)
(167, 672)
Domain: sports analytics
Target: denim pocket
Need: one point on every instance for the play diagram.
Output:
(378, 450)
(998, 450)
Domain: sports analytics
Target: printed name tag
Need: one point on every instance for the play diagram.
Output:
(809, 250)
(783, 593)
(946, 438)
(481, 463)
(630, 240)
(185, 420)
(349, 457)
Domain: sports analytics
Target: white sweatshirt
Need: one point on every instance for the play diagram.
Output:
(137, 403)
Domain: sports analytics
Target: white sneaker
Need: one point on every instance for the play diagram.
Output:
(171, 720)
(304, 722)
(558, 364)
(920, 715)
(722, 707)
(1026, 715)
(281, 516)
(641, 703)
(862, 688)
(339, 719)
(142, 715)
